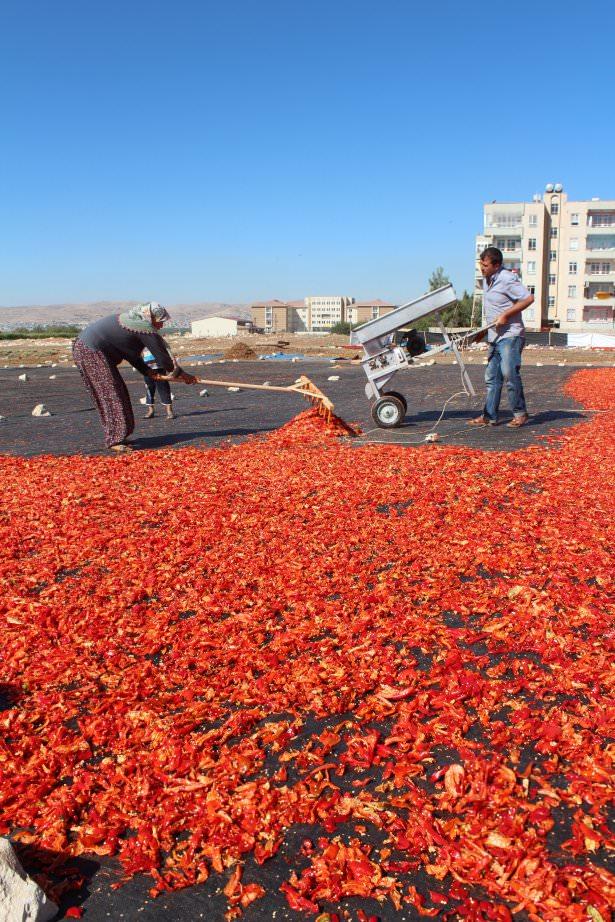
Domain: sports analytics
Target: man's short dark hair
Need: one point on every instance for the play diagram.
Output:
(493, 255)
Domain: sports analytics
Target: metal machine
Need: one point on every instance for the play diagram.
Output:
(383, 358)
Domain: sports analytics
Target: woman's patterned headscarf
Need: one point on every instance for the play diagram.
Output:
(140, 319)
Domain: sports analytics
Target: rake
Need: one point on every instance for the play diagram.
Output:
(302, 386)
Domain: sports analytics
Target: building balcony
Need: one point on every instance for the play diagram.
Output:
(598, 298)
(599, 221)
(601, 252)
(599, 277)
(599, 315)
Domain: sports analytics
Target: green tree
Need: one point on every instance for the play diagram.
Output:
(459, 315)
(438, 278)
(342, 327)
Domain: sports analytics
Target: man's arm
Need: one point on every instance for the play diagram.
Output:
(515, 308)
(520, 299)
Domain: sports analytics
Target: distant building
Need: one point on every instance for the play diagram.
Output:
(298, 317)
(315, 314)
(324, 311)
(218, 326)
(362, 311)
(271, 316)
(563, 251)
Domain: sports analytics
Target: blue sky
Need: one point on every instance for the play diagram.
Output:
(248, 149)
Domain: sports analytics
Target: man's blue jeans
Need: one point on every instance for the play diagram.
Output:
(504, 363)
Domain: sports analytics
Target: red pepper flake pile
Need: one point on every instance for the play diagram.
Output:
(311, 425)
(409, 652)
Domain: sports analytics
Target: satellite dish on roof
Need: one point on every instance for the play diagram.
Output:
(549, 187)
(558, 187)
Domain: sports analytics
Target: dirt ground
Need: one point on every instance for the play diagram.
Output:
(30, 352)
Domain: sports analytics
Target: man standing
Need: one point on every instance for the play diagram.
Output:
(504, 298)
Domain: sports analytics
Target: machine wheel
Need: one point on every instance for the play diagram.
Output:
(399, 397)
(388, 412)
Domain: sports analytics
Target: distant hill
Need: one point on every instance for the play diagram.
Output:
(32, 315)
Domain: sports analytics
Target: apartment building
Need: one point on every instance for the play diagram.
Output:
(324, 311)
(564, 252)
(280, 316)
(270, 316)
(362, 311)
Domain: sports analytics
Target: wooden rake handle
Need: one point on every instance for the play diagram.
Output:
(252, 387)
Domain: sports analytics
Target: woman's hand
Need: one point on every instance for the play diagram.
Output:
(178, 374)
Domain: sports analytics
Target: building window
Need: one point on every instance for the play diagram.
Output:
(572, 268)
(531, 267)
(599, 268)
(551, 301)
(574, 218)
(571, 314)
(533, 220)
(552, 256)
(375, 313)
(554, 206)
(531, 244)
(574, 243)
(552, 280)
(553, 233)
(531, 289)
(528, 313)
(572, 291)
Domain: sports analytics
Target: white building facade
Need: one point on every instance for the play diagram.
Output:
(214, 326)
(324, 311)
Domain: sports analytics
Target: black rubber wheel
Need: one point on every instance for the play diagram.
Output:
(388, 412)
(399, 397)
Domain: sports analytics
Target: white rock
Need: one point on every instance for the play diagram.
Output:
(2, 419)
(561, 364)
(20, 897)
(52, 377)
(294, 359)
(266, 383)
(204, 393)
(222, 362)
(39, 366)
(54, 364)
(234, 390)
(538, 364)
(143, 400)
(40, 410)
(23, 377)
(333, 378)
